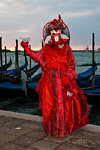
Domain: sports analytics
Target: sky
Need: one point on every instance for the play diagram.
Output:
(26, 18)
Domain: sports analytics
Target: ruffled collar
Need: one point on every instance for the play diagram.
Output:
(60, 44)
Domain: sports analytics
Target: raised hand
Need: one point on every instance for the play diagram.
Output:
(24, 43)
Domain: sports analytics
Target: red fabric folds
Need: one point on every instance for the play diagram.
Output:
(63, 104)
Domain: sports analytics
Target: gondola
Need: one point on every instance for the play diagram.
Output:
(10, 89)
(15, 89)
(87, 84)
(19, 89)
(86, 74)
(93, 96)
(14, 72)
(31, 71)
(13, 75)
(5, 66)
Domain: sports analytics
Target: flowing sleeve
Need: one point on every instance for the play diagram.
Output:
(37, 56)
(71, 63)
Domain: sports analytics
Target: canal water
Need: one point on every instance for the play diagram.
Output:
(26, 106)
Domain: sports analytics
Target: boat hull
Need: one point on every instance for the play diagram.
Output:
(93, 98)
(17, 91)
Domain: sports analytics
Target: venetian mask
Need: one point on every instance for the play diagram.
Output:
(55, 35)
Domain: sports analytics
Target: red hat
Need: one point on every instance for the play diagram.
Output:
(55, 24)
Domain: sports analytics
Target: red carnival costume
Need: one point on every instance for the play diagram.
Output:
(63, 104)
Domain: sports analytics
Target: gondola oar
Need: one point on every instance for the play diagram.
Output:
(24, 82)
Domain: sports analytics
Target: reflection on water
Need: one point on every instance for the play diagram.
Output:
(95, 114)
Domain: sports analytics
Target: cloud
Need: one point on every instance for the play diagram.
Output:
(22, 18)
(22, 30)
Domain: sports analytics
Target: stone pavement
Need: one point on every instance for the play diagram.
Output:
(25, 132)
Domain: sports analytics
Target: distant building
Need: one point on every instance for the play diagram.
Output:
(99, 49)
(87, 49)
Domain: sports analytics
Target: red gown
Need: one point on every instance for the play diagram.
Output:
(62, 112)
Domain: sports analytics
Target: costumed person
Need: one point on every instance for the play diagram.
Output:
(63, 104)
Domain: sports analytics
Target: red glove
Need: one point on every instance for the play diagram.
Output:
(24, 44)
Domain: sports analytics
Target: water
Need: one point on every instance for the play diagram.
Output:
(24, 105)
(21, 105)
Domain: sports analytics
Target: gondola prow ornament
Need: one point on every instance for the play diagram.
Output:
(63, 104)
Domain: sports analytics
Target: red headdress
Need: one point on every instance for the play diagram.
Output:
(55, 24)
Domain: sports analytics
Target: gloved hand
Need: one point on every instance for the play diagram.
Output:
(24, 44)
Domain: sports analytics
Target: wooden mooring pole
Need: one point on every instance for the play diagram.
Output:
(68, 42)
(42, 43)
(1, 59)
(93, 62)
(5, 60)
(16, 58)
(30, 61)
